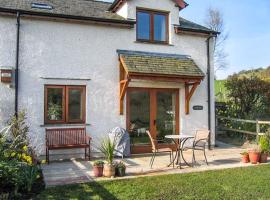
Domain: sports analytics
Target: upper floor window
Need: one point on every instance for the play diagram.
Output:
(152, 26)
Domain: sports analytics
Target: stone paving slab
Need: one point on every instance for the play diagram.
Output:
(79, 171)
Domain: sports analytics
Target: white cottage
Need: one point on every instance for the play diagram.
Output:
(86, 63)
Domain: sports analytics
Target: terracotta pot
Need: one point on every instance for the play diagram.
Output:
(109, 170)
(245, 158)
(254, 156)
(98, 170)
(120, 171)
(263, 158)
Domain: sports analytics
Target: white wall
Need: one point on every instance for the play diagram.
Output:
(64, 50)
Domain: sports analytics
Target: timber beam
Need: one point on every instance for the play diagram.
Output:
(189, 91)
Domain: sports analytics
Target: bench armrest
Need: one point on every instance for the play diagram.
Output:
(88, 138)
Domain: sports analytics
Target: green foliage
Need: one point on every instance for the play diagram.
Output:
(30, 174)
(120, 165)
(249, 98)
(17, 172)
(264, 143)
(107, 148)
(98, 163)
(220, 91)
(14, 141)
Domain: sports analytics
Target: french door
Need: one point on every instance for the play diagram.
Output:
(156, 110)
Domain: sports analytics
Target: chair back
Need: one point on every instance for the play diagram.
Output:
(202, 135)
(152, 140)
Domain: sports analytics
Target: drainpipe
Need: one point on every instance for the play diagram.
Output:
(209, 87)
(17, 63)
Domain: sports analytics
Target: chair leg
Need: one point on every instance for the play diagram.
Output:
(153, 158)
(48, 157)
(193, 158)
(89, 154)
(172, 159)
(85, 153)
(205, 155)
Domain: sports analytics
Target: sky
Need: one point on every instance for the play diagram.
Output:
(248, 25)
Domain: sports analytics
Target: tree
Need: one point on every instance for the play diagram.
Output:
(214, 20)
(248, 97)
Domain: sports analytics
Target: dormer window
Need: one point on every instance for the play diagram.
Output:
(152, 26)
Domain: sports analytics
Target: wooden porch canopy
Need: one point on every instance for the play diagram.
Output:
(137, 65)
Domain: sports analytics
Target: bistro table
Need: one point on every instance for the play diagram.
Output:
(179, 141)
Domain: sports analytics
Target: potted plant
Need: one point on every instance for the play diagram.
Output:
(120, 169)
(98, 168)
(264, 147)
(107, 148)
(254, 155)
(245, 157)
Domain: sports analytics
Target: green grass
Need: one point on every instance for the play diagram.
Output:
(220, 90)
(239, 183)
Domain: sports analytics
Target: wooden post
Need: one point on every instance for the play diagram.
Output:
(257, 130)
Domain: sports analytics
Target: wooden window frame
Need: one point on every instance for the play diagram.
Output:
(151, 28)
(65, 102)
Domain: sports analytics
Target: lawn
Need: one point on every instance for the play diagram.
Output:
(239, 183)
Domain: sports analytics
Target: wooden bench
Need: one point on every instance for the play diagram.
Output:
(67, 138)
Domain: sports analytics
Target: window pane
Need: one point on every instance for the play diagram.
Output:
(143, 26)
(139, 117)
(54, 104)
(75, 104)
(160, 27)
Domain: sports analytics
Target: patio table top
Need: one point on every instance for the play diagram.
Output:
(181, 136)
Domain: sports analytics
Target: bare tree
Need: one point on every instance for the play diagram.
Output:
(214, 20)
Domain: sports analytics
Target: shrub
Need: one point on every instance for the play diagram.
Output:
(107, 148)
(99, 163)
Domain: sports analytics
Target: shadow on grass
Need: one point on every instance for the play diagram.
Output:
(92, 190)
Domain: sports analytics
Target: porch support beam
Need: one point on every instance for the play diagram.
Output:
(123, 85)
(188, 94)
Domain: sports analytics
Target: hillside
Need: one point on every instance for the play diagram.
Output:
(221, 91)
(260, 72)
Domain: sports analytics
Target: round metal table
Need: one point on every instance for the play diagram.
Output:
(179, 141)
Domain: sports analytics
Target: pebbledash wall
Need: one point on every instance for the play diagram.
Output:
(53, 49)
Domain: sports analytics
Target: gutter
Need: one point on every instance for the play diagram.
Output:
(73, 17)
(208, 87)
(17, 62)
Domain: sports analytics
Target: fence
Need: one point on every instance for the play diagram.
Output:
(221, 127)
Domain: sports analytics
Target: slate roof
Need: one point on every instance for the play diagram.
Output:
(160, 63)
(185, 24)
(79, 8)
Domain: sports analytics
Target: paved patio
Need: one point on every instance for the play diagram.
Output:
(79, 171)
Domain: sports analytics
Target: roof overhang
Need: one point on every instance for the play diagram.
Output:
(181, 30)
(118, 4)
(126, 76)
(127, 23)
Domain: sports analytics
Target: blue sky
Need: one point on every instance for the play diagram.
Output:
(248, 24)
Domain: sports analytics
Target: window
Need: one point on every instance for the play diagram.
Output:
(152, 26)
(64, 104)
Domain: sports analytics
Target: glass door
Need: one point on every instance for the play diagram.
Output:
(139, 116)
(166, 114)
(156, 110)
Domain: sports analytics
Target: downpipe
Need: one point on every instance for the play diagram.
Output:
(18, 24)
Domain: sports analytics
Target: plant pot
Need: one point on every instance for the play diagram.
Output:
(254, 156)
(245, 158)
(263, 158)
(120, 171)
(98, 171)
(109, 170)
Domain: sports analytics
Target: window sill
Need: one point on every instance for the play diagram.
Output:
(64, 125)
(155, 43)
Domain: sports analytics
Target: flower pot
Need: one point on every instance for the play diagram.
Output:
(109, 170)
(98, 170)
(245, 158)
(263, 158)
(254, 156)
(120, 171)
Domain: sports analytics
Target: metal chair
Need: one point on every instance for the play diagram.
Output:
(199, 143)
(156, 149)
